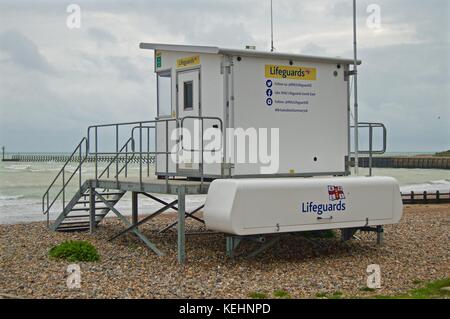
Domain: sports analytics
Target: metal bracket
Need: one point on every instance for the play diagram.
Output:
(232, 242)
(134, 230)
(348, 233)
(225, 65)
(191, 215)
(378, 229)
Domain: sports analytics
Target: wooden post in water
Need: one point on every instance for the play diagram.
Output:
(3, 153)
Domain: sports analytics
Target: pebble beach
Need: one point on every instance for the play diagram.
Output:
(417, 249)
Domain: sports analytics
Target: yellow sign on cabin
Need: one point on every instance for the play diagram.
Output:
(189, 61)
(290, 72)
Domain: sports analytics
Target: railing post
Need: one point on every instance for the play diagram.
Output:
(96, 155)
(92, 218)
(64, 188)
(117, 154)
(148, 151)
(47, 212)
(80, 165)
(370, 149)
(167, 153)
(140, 155)
(126, 160)
(201, 160)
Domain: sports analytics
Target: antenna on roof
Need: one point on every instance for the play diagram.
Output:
(355, 87)
(271, 27)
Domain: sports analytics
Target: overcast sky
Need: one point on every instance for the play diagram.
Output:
(55, 81)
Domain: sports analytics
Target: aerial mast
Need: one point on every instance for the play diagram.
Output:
(271, 27)
(355, 87)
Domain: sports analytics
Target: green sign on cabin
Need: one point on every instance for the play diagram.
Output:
(158, 60)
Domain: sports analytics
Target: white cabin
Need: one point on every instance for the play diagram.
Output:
(305, 97)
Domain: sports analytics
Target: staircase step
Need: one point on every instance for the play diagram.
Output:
(97, 201)
(80, 216)
(75, 222)
(75, 228)
(105, 194)
(87, 209)
(81, 221)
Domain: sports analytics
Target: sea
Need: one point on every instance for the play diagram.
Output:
(22, 185)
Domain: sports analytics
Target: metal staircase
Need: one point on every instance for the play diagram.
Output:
(75, 214)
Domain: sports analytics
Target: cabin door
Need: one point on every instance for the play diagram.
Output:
(188, 107)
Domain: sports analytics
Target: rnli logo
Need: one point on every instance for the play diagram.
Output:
(335, 196)
(335, 193)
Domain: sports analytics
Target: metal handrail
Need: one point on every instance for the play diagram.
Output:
(81, 159)
(90, 146)
(370, 151)
(371, 126)
(140, 127)
(114, 159)
(136, 125)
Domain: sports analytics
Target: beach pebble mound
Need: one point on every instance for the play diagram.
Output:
(414, 251)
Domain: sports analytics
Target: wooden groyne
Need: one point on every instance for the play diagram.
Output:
(406, 162)
(426, 197)
(377, 161)
(64, 158)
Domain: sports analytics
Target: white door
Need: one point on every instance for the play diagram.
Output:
(188, 97)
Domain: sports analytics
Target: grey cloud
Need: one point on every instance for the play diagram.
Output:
(127, 69)
(314, 49)
(102, 36)
(409, 93)
(104, 77)
(341, 9)
(22, 51)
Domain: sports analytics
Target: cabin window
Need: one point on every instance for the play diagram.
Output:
(188, 93)
(164, 94)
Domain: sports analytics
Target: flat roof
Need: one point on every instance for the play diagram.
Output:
(242, 52)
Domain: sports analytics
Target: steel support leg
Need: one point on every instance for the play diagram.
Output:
(380, 235)
(91, 210)
(134, 207)
(232, 242)
(181, 225)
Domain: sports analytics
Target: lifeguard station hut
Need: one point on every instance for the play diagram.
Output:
(305, 97)
(303, 103)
